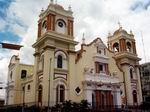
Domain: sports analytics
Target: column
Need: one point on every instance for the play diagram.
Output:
(134, 47)
(97, 98)
(70, 27)
(48, 75)
(128, 85)
(49, 23)
(139, 90)
(122, 44)
(117, 98)
(35, 77)
(53, 22)
(39, 29)
(89, 95)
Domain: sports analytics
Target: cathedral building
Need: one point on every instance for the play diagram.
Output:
(102, 75)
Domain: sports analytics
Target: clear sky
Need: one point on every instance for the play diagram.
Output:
(94, 18)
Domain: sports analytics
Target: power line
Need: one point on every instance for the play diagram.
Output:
(143, 46)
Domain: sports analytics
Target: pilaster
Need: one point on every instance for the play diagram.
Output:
(35, 77)
(139, 90)
(128, 85)
(48, 75)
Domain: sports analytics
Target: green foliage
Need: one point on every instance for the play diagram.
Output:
(145, 106)
(69, 106)
(84, 106)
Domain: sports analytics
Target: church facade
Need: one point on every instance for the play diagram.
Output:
(99, 74)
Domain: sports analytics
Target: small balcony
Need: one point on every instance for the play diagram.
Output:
(100, 58)
(102, 77)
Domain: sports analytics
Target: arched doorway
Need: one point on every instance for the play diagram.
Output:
(134, 93)
(40, 90)
(60, 94)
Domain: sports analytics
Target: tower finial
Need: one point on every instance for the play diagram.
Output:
(120, 26)
(131, 32)
(109, 34)
(69, 8)
(42, 9)
(55, 1)
(51, 1)
(83, 39)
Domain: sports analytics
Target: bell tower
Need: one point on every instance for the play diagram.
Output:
(54, 55)
(123, 45)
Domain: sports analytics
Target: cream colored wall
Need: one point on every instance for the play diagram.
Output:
(29, 97)
(16, 83)
(85, 61)
(9, 92)
(88, 62)
(113, 68)
(16, 93)
(73, 79)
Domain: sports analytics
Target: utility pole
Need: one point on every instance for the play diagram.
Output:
(143, 46)
(7, 92)
(23, 98)
(125, 90)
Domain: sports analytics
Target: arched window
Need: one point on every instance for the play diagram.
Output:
(23, 74)
(59, 61)
(11, 75)
(23, 88)
(131, 73)
(41, 62)
(116, 47)
(128, 46)
(44, 26)
(40, 90)
(98, 50)
(29, 87)
(60, 94)
(134, 96)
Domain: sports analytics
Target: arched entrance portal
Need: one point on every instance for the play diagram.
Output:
(40, 90)
(134, 96)
(60, 94)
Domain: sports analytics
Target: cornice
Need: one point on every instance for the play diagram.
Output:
(126, 55)
(36, 53)
(70, 51)
(56, 37)
(48, 47)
